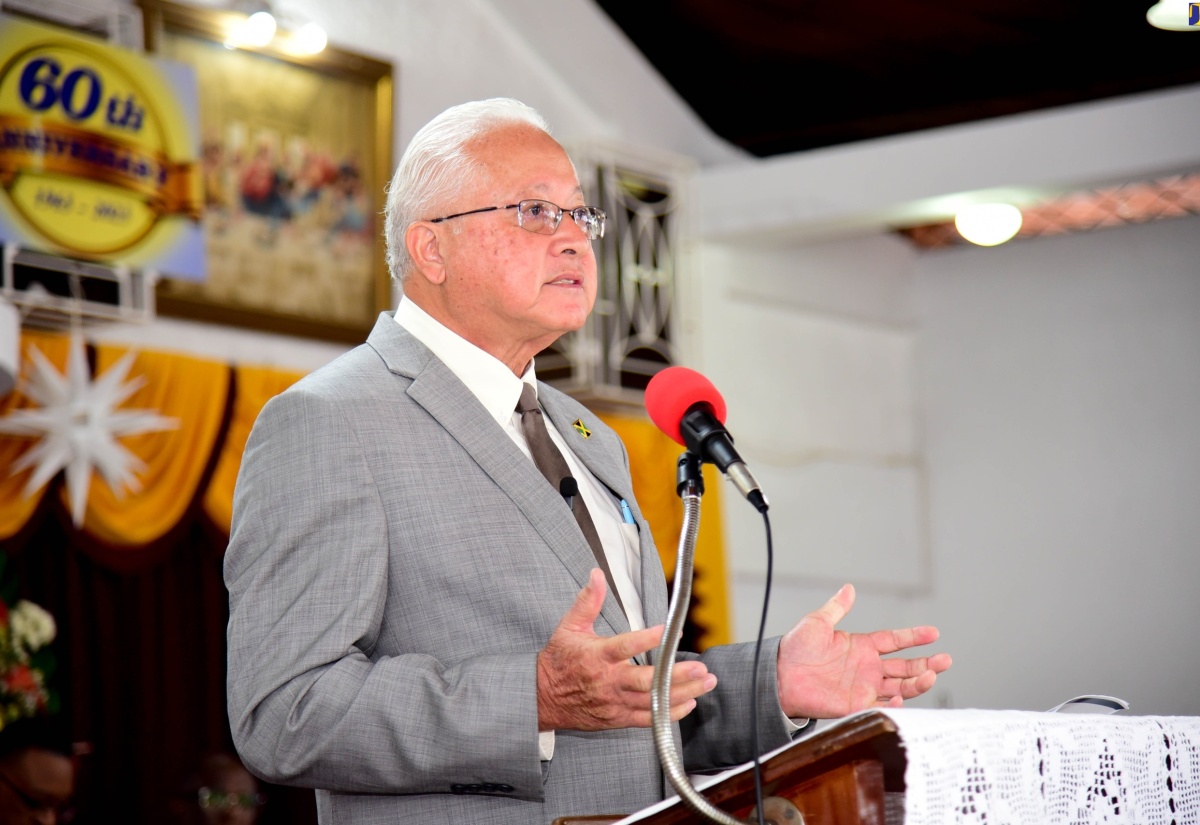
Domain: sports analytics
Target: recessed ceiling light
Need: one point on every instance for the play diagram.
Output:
(988, 224)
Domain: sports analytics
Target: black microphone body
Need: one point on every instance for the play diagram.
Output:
(706, 436)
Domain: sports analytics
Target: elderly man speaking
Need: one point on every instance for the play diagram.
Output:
(421, 627)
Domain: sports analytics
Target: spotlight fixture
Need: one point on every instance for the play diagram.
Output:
(988, 224)
(309, 39)
(1174, 15)
(263, 24)
(256, 30)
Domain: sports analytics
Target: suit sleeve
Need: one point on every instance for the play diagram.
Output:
(307, 572)
(717, 734)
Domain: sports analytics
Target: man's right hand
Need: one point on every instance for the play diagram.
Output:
(587, 682)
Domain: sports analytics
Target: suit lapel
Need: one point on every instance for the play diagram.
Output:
(601, 452)
(445, 398)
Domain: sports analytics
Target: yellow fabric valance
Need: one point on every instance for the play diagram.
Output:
(16, 508)
(652, 458)
(192, 468)
(255, 386)
(189, 390)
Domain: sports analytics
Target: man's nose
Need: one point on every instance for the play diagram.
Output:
(571, 236)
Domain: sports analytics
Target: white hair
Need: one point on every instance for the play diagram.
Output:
(435, 166)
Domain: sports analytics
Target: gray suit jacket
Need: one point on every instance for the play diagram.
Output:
(394, 567)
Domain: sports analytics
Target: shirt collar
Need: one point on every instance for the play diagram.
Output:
(487, 378)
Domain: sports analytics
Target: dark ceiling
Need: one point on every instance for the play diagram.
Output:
(776, 76)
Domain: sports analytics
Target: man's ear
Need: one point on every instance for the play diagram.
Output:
(424, 247)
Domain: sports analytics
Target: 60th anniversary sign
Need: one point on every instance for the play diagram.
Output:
(98, 152)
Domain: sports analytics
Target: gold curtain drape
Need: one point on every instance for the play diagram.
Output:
(191, 391)
(215, 406)
(652, 458)
(16, 508)
(255, 387)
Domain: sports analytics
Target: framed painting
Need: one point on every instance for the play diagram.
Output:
(296, 152)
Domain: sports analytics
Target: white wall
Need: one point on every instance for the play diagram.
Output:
(1002, 442)
(1060, 380)
(854, 372)
(814, 348)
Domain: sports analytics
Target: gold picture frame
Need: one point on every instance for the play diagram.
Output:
(296, 152)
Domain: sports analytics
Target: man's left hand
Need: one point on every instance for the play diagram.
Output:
(825, 673)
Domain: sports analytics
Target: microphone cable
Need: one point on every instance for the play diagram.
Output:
(762, 627)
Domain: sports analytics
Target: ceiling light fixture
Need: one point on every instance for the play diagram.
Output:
(1173, 15)
(256, 30)
(988, 224)
(264, 24)
(310, 39)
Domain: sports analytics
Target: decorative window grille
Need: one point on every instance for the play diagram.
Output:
(629, 336)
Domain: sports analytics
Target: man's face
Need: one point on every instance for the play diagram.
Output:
(510, 290)
(34, 786)
(232, 794)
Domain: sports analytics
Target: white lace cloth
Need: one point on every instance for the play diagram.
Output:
(1016, 767)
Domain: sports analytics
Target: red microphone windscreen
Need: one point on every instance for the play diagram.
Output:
(673, 391)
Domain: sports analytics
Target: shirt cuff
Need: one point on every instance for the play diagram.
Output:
(796, 725)
(546, 745)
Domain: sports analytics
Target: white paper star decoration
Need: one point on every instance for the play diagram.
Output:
(79, 424)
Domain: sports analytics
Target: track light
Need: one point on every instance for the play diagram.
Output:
(263, 24)
(256, 30)
(310, 39)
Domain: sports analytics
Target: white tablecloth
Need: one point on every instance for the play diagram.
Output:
(1018, 768)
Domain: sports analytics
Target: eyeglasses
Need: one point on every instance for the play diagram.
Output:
(211, 800)
(59, 811)
(544, 217)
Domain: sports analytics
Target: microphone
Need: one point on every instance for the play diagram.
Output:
(686, 406)
(569, 488)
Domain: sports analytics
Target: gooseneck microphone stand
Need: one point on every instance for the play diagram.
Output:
(690, 486)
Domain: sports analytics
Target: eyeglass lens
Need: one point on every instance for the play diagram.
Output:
(211, 800)
(544, 217)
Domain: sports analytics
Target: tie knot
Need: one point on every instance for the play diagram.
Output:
(528, 399)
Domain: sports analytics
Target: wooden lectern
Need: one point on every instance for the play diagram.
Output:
(850, 774)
